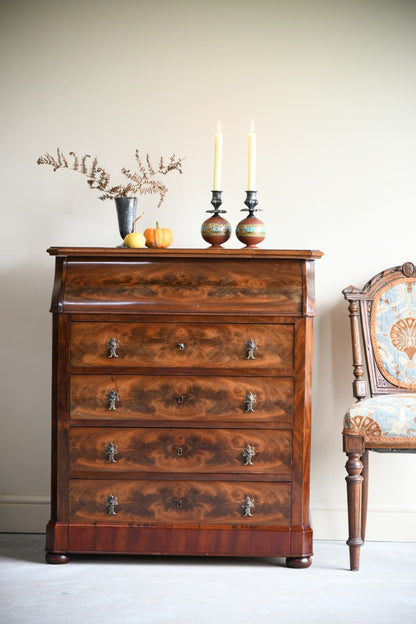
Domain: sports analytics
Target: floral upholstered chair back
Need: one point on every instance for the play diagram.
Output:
(386, 307)
(393, 332)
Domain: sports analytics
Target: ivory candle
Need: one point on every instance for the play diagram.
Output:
(217, 159)
(251, 184)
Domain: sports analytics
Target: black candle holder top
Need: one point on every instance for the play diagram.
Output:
(216, 201)
(251, 203)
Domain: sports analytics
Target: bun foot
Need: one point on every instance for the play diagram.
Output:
(298, 562)
(57, 558)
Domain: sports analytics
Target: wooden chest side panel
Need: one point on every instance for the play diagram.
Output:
(179, 502)
(181, 450)
(181, 398)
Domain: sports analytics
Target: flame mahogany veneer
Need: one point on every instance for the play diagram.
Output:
(181, 438)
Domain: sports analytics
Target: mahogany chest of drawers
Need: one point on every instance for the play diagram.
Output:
(181, 406)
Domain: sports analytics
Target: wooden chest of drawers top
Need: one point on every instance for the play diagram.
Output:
(184, 281)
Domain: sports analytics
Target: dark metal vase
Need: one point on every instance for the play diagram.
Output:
(126, 214)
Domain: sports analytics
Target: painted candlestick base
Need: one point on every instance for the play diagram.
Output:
(216, 230)
(251, 230)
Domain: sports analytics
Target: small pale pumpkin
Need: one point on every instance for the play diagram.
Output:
(135, 238)
(158, 238)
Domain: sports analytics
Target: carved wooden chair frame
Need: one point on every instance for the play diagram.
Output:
(356, 443)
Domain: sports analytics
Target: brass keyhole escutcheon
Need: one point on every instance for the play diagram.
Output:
(181, 346)
(111, 503)
(180, 399)
(111, 451)
(251, 347)
(180, 452)
(249, 401)
(112, 399)
(179, 504)
(248, 454)
(247, 506)
(113, 344)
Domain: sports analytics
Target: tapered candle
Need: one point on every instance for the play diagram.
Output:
(251, 185)
(218, 159)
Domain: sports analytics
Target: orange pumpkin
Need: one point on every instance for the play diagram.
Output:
(158, 237)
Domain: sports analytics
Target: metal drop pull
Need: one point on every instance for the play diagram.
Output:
(248, 454)
(111, 503)
(247, 506)
(111, 451)
(181, 346)
(251, 346)
(249, 401)
(112, 399)
(113, 344)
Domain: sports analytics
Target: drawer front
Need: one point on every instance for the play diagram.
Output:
(181, 450)
(181, 398)
(179, 502)
(183, 345)
(244, 284)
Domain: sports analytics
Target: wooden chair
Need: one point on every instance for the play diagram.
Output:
(383, 325)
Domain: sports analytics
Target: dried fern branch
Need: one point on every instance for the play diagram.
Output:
(98, 178)
(140, 182)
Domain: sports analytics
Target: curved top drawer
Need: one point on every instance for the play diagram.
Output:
(200, 284)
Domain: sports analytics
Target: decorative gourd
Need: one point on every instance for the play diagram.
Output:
(158, 237)
(135, 238)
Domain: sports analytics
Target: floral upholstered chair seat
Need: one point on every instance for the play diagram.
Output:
(383, 326)
(383, 417)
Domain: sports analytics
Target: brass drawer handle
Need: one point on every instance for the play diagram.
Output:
(248, 454)
(113, 344)
(111, 451)
(251, 346)
(112, 399)
(181, 346)
(111, 503)
(247, 506)
(249, 401)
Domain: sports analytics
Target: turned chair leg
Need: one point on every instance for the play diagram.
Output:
(354, 480)
(364, 500)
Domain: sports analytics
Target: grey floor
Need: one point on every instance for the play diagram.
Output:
(157, 590)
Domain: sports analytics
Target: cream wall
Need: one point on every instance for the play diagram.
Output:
(331, 86)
